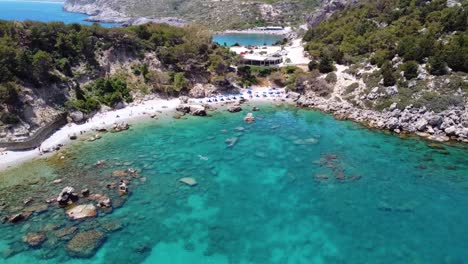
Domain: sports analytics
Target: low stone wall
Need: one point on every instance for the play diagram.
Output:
(39, 136)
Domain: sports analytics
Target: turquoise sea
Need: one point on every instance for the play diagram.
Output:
(243, 39)
(41, 11)
(296, 187)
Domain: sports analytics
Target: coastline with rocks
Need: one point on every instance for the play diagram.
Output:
(118, 120)
(439, 127)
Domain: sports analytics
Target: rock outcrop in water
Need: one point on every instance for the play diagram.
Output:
(67, 196)
(249, 118)
(188, 181)
(82, 211)
(234, 108)
(443, 126)
(85, 244)
(195, 110)
(34, 239)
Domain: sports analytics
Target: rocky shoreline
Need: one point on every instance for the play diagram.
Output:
(442, 127)
(108, 15)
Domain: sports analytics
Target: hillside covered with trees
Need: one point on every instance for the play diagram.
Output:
(417, 48)
(54, 67)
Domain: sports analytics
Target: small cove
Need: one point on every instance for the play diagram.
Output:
(246, 39)
(297, 187)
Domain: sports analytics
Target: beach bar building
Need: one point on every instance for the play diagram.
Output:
(259, 60)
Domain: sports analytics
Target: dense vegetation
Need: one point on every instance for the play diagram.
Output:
(403, 39)
(416, 31)
(39, 56)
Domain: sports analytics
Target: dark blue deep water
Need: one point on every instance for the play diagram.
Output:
(297, 187)
(41, 11)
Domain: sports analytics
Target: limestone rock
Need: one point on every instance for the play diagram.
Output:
(197, 110)
(183, 108)
(183, 99)
(202, 90)
(77, 116)
(249, 118)
(67, 196)
(82, 211)
(62, 233)
(85, 244)
(421, 124)
(188, 181)
(34, 239)
(120, 173)
(123, 187)
(294, 96)
(450, 130)
(16, 218)
(234, 108)
(118, 127)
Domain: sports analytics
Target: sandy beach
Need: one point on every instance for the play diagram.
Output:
(132, 112)
(284, 31)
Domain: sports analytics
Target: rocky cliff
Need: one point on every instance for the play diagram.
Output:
(213, 14)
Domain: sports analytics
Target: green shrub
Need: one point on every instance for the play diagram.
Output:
(437, 102)
(8, 94)
(388, 74)
(351, 88)
(331, 78)
(290, 69)
(326, 62)
(313, 65)
(180, 82)
(437, 65)
(9, 118)
(42, 64)
(410, 69)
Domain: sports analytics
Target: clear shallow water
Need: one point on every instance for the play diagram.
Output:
(41, 11)
(267, 199)
(246, 39)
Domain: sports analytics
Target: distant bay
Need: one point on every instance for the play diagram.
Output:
(45, 11)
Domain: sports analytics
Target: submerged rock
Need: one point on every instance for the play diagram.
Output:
(249, 118)
(34, 239)
(36, 208)
(120, 173)
(305, 141)
(85, 244)
(82, 211)
(65, 232)
(16, 218)
(231, 141)
(188, 181)
(111, 226)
